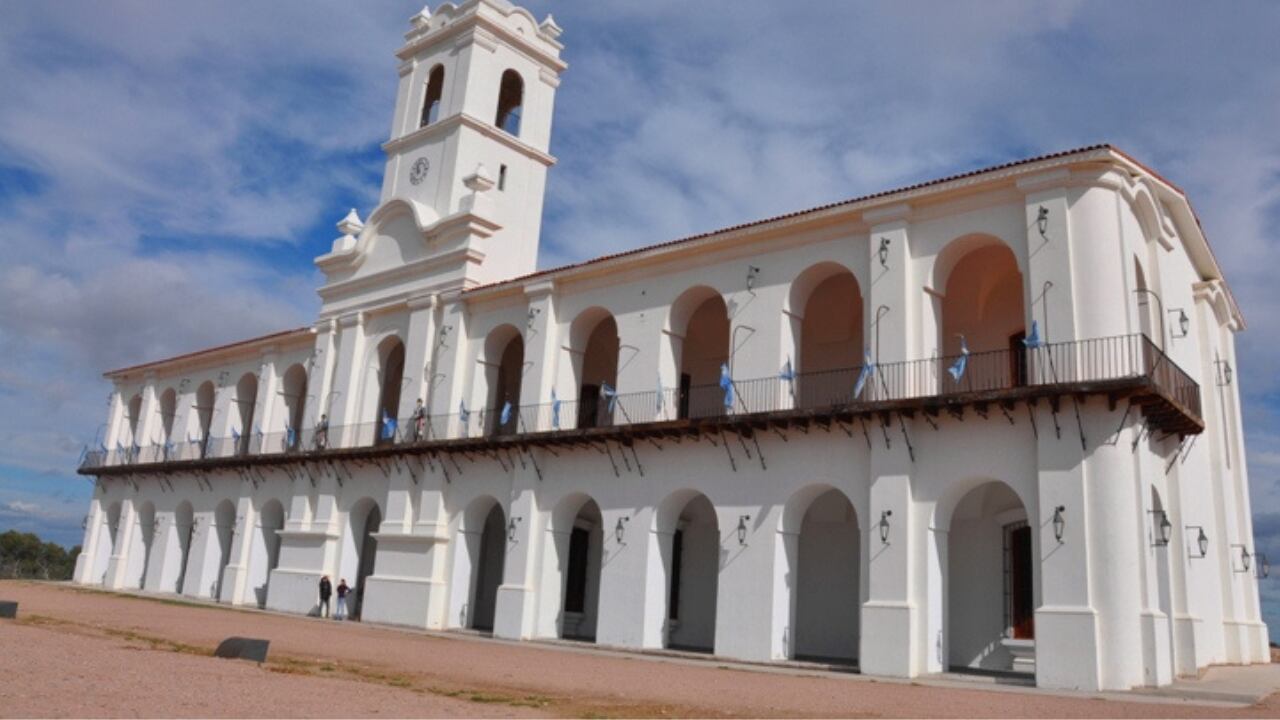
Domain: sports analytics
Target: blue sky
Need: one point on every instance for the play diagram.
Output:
(169, 170)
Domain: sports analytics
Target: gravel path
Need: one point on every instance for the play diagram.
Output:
(77, 652)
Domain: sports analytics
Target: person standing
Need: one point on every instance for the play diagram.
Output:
(326, 590)
(343, 591)
(419, 420)
(322, 433)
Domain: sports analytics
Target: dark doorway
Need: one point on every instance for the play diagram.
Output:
(368, 554)
(686, 383)
(1022, 619)
(493, 550)
(1017, 359)
(575, 596)
(677, 554)
(589, 406)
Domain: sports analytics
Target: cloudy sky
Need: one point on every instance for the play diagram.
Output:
(169, 170)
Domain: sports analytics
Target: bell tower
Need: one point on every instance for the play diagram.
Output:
(470, 139)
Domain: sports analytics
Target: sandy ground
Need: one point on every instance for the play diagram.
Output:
(76, 652)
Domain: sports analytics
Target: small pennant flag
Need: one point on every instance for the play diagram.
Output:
(388, 426)
(661, 393)
(787, 374)
(958, 367)
(868, 369)
(1033, 340)
(463, 413)
(506, 413)
(607, 390)
(290, 436)
(555, 410)
(726, 384)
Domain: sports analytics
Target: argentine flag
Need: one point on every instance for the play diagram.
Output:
(958, 367)
(726, 384)
(868, 369)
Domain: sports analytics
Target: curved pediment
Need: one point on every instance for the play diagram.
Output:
(394, 236)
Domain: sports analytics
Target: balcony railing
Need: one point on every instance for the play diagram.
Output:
(1129, 365)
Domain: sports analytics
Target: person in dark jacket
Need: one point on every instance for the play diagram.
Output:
(343, 589)
(326, 591)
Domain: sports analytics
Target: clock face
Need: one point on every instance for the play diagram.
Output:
(418, 172)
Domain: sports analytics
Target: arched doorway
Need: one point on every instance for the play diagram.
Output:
(184, 526)
(983, 307)
(107, 537)
(391, 378)
(204, 414)
(168, 413)
(699, 331)
(578, 545)
(479, 554)
(1163, 600)
(990, 589)
(594, 342)
(140, 546)
(688, 536)
(224, 526)
(294, 392)
(246, 401)
(504, 369)
(822, 573)
(264, 553)
(360, 551)
(826, 320)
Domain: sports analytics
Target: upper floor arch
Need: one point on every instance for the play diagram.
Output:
(510, 103)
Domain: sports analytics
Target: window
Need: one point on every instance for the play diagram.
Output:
(435, 90)
(510, 101)
(502, 177)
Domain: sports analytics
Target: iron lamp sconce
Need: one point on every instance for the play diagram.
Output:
(1225, 373)
(884, 526)
(620, 530)
(1202, 541)
(753, 274)
(1042, 222)
(533, 316)
(1263, 567)
(511, 528)
(883, 252)
(742, 529)
(1163, 529)
(1246, 560)
(1059, 523)
(1183, 323)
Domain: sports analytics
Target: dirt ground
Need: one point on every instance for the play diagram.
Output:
(75, 652)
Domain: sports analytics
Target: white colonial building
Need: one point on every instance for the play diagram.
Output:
(983, 423)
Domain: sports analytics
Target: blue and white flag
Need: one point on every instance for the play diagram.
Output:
(463, 413)
(506, 413)
(958, 367)
(235, 434)
(661, 394)
(555, 410)
(607, 390)
(868, 369)
(191, 440)
(726, 384)
(1033, 340)
(388, 425)
(787, 373)
(290, 436)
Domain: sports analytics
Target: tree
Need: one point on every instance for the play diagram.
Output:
(24, 555)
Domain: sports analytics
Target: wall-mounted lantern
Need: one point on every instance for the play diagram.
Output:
(620, 530)
(1264, 566)
(1224, 372)
(1202, 542)
(883, 252)
(511, 529)
(1163, 528)
(753, 274)
(1059, 522)
(534, 312)
(1183, 323)
(1042, 221)
(884, 526)
(1246, 560)
(742, 529)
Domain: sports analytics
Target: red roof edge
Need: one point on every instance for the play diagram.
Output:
(217, 348)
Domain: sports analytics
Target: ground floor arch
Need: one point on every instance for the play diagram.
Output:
(264, 549)
(479, 557)
(141, 542)
(821, 575)
(359, 551)
(180, 535)
(573, 557)
(686, 536)
(108, 533)
(988, 582)
(224, 530)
